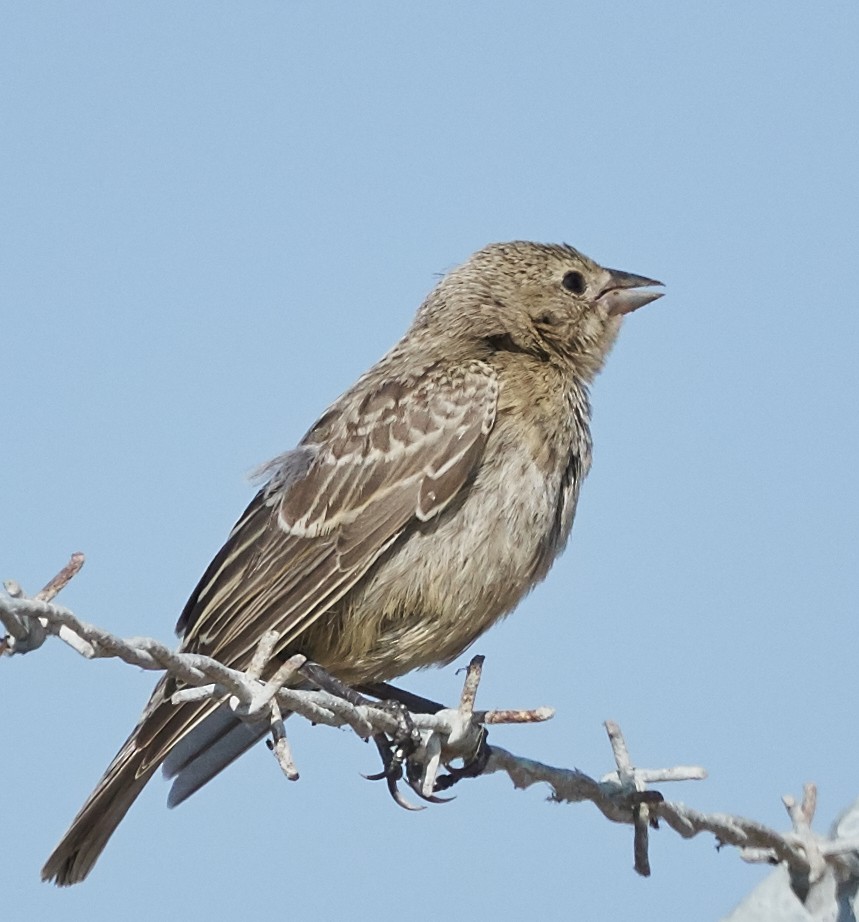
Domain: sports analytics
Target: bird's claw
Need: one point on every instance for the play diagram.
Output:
(399, 800)
(394, 756)
(413, 779)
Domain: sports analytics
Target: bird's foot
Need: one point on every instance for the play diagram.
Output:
(395, 748)
(322, 679)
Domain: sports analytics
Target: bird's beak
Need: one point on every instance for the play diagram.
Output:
(620, 294)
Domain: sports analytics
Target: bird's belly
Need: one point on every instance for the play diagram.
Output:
(445, 583)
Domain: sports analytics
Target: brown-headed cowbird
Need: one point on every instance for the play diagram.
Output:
(418, 510)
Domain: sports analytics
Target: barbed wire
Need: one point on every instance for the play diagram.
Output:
(623, 795)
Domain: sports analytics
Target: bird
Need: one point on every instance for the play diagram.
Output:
(417, 511)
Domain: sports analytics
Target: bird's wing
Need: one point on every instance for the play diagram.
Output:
(401, 454)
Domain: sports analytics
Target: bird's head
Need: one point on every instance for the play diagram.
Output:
(547, 300)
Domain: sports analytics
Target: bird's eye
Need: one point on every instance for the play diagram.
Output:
(574, 282)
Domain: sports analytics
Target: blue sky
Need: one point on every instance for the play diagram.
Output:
(215, 216)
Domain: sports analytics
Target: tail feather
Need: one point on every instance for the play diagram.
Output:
(206, 734)
(211, 757)
(202, 752)
(74, 857)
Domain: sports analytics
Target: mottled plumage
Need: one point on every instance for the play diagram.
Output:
(418, 510)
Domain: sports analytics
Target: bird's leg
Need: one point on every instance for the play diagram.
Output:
(385, 692)
(323, 679)
(406, 735)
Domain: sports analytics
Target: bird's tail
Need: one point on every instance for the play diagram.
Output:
(195, 741)
(74, 857)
